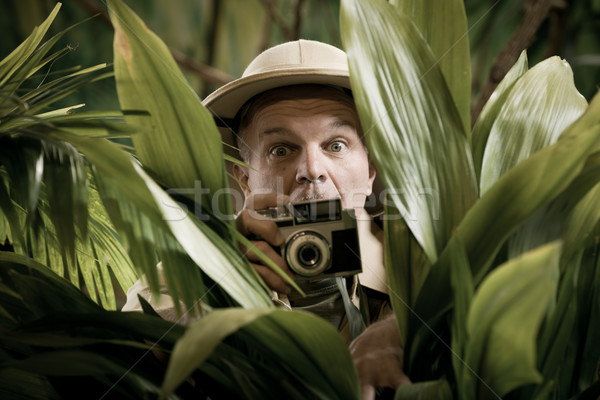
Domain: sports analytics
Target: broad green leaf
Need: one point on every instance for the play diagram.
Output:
(306, 345)
(205, 252)
(439, 390)
(201, 338)
(181, 143)
(40, 287)
(526, 187)
(443, 24)
(557, 332)
(541, 104)
(233, 372)
(489, 112)
(589, 317)
(21, 385)
(511, 201)
(294, 347)
(79, 363)
(583, 223)
(406, 267)
(504, 319)
(411, 125)
(461, 281)
(555, 220)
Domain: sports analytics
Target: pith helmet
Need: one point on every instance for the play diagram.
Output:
(291, 63)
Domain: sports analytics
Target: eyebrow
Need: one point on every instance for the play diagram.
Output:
(338, 123)
(276, 130)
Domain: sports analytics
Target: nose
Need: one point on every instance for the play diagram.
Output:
(312, 166)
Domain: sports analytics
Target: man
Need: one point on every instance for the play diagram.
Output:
(293, 119)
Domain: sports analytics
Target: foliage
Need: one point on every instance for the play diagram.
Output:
(72, 234)
(491, 232)
(535, 149)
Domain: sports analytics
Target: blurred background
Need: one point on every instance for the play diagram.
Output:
(213, 40)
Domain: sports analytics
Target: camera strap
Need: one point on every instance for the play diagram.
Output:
(355, 321)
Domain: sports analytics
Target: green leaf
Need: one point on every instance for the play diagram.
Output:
(181, 143)
(298, 343)
(312, 344)
(438, 390)
(21, 54)
(201, 338)
(65, 178)
(10, 213)
(489, 112)
(406, 267)
(518, 194)
(412, 128)
(21, 385)
(526, 187)
(461, 281)
(443, 24)
(504, 319)
(42, 290)
(540, 105)
(557, 333)
(588, 298)
(208, 250)
(157, 216)
(583, 223)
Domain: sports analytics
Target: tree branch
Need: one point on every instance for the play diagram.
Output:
(535, 13)
(274, 16)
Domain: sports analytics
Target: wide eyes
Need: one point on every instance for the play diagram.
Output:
(337, 147)
(280, 151)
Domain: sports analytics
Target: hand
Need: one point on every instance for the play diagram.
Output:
(250, 223)
(378, 357)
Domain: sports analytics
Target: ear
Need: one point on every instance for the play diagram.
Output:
(372, 175)
(241, 174)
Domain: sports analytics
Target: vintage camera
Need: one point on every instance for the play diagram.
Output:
(321, 238)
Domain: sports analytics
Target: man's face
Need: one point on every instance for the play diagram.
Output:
(307, 147)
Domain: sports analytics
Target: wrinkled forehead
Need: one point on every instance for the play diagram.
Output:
(297, 92)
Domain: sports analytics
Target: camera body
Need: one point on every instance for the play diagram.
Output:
(321, 238)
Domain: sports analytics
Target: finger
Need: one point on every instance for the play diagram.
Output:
(367, 392)
(264, 228)
(272, 279)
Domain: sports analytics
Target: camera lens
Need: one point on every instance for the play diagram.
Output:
(309, 254)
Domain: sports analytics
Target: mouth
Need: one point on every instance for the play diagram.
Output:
(308, 194)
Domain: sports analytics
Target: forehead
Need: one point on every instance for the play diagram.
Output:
(338, 101)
